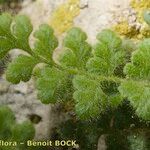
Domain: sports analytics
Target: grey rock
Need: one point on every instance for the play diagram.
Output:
(102, 142)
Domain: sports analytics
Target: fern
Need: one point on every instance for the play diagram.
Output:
(89, 102)
(53, 85)
(88, 75)
(139, 66)
(108, 54)
(5, 126)
(11, 131)
(77, 50)
(20, 69)
(45, 43)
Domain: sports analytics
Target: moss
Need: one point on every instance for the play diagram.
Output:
(63, 16)
(140, 6)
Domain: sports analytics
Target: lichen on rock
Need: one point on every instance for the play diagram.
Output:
(140, 6)
(124, 29)
(62, 18)
(139, 29)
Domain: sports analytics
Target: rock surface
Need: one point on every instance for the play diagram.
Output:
(22, 99)
(99, 14)
(95, 15)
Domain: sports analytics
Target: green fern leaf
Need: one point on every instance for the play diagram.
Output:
(5, 46)
(11, 131)
(14, 33)
(110, 88)
(20, 69)
(139, 68)
(23, 132)
(21, 30)
(5, 22)
(77, 50)
(46, 42)
(108, 54)
(6, 40)
(139, 96)
(115, 100)
(89, 97)
(7, 119)
(52, 86)
(68, 59)
(109, 38)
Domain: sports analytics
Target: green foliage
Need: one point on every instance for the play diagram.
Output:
(3, 64)
(108, 83)
(6, 42)
(20, 69)
(108, 54)
(2, 1)
(22, 133)
(89, 102)
(7, 119)
(11, 131)
(139, 96)
(88, 75)
(138, 91)
(8, 1)
(77, 50)
(17, 133)
(14, 33)
(52, 85)
(21, 30)
(139, 67)
(86, 133)
(113, 128)
(46, 42)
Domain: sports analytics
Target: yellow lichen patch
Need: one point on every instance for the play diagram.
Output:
(140, 6)
(63, 16)
(124, 29)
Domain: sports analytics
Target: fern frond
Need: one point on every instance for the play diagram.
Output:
(11, 131)
(14, 33)
(53, 86)
(139, 68)
(107, 54)
(46, 42)
(20, 69)
(7, 119)
(96, 86)
(23, 132)
(139, 97)
(89, 97)
(77, 50)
